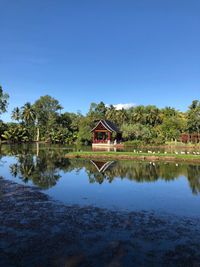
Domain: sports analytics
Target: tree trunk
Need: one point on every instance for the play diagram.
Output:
(38, 134)
(37, 149)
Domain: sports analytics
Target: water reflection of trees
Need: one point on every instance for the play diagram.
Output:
(43, 168)
(141, 172)
(193, 175)
(132, 170)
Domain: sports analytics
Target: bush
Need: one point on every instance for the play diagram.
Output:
(16, 134)
(135, 143)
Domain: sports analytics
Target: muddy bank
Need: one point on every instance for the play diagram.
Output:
(36, 231)
(128, 156)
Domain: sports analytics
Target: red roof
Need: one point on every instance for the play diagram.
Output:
(108, 125)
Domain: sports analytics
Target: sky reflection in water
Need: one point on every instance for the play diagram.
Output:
(122, 185)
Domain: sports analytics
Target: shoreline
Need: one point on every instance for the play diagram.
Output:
(135, 156)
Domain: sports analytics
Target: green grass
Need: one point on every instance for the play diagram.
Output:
(118, 155)
(180, 144)
(166, 144)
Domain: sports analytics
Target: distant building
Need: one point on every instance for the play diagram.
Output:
(190, 138)
(105, 133)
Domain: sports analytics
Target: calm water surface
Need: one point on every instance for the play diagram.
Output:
(119, 185)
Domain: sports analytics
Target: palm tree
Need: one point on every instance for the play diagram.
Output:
(28, 113)
(121, 117)
(111, 113)
(138, 114)
(153, 115)
(16, 114)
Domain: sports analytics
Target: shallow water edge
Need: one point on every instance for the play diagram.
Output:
(37, 231)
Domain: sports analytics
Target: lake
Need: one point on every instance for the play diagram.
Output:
(116, 185)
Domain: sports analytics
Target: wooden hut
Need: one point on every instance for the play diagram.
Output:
(105, 133)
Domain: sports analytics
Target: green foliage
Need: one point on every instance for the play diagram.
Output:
(84, 134)
(97, 111)
(149, 115)
(43, 121)
(28, 114)
(16, 114)
(171, 128)
(136, 131)
(58, 135)
(46, 110)
(16, 134)
(3, 101)
(3, 127)
(117, 116)
(135, 143)
(193, 117)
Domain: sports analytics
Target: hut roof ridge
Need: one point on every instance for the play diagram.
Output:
(108, 125)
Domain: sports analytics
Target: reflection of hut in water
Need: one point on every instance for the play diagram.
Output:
(102, 166)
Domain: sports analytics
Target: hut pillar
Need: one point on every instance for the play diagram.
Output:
(94, 136)
(109, 137)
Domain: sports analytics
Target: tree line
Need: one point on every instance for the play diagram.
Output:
(45, 121)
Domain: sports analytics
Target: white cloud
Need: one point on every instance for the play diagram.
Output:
(125, 106)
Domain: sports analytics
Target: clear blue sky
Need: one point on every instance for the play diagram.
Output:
(83, 51)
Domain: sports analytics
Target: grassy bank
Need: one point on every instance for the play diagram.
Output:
(135, 156)
(165, 145)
